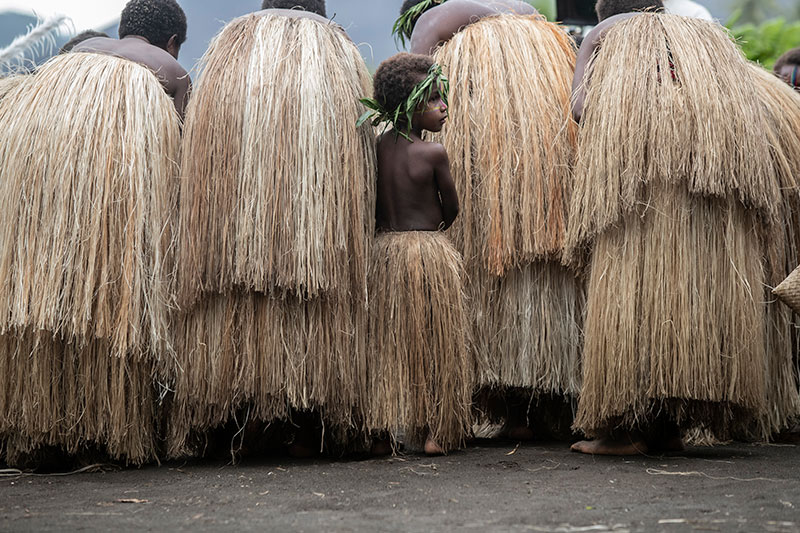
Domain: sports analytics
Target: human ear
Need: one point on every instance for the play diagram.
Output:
(173, 47)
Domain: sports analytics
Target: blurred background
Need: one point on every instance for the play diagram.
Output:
(765, 28)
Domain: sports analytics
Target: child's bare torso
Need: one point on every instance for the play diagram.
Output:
(414, 193)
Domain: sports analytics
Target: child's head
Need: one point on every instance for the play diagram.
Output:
(398, 77)
(78, 39)
(788, 67)
(609, 8)
(312, 6)
(161, 22)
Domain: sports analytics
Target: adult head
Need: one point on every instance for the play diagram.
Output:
(788, 67)
(312, 6)
(161, 22)
(609, 8)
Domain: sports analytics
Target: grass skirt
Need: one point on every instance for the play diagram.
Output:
(419, 368)
(277, 214)
(53, 394)
(88, 151)
(511, 143)
(678, 204)
(675, 317)
(267, 356)
(782, 109)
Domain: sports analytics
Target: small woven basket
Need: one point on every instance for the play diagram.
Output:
(789, 290)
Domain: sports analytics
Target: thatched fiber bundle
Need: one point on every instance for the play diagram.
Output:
(419, 366)
(782, 109)
(509, 138)
(527, 328)
(656, 114)
(277, 213)
(511, 142)
(88, 183)
(678, 203)
(278, 189)
(675, 312)
(55, 394)
(10, 82)
(268, 355)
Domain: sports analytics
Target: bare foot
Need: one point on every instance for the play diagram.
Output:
(627, 446)
(380, 447)
(431, 448)
(522, 433)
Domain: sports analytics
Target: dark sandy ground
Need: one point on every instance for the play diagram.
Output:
(488, 487)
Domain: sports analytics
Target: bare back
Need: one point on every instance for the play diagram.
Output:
(415, 189)
(439, 24)
(172, 76)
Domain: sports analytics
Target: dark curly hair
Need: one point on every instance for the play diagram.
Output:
(609, 8)
(312, 6)
(396, 77)
(155, 20)
(790, 57)
(78, 39)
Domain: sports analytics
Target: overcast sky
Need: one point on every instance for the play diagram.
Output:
(85, 14)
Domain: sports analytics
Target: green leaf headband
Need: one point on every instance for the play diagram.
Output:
(405, 24)
(400, 117)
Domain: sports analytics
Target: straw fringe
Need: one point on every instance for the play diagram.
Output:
(511, 142)
(782, 109)
(510, 139)
(274, 166)
(88, 156)
(675, 317)
(419, 375)
(270, 354)
(9, 83)
(277, 212)
(55, 394)
(689, 136)
(528, 328)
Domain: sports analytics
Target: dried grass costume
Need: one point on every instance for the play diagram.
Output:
(88, 151)
(782, 109)
(676, 196)
(511, 143)
(276, 217)
(420, 371)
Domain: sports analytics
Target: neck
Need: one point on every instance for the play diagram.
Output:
(139, 37)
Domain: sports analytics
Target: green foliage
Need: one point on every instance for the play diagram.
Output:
(754, 11)
(765, 42)
(545, 7)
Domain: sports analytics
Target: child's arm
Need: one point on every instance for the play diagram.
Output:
(447, 189)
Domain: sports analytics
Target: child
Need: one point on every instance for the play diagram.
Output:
(787, 67)
(419, 374)
(675, 321)
(525, 306)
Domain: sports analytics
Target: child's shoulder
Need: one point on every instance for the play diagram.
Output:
(431, 151)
